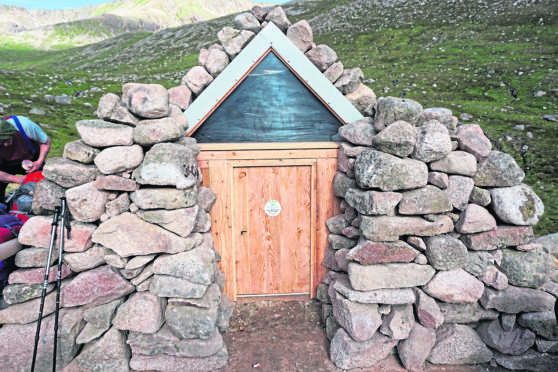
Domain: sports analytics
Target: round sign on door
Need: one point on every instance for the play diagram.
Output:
(272, 208)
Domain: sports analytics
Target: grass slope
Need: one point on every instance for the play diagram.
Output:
(484, 58)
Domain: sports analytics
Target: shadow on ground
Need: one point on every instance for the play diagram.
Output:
(288, 336)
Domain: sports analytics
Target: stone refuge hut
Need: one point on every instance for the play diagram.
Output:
(432, 254)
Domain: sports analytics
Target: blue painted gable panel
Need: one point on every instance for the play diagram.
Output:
(270, 105)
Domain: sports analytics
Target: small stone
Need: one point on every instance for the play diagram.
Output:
(455, 286)
(349, 81)
(515, 300)
(471, 138)
(415, 349)
(433, 142)
(459, 190)
(80, 152)
(456, 162)
(301, 35)
(428, 311)
(475, 219)
(513, 342)
(393, 275)
(180, 96)
(428, 199)
(99, 133)
(321, 56)
(498, 170)
(391, 109)
(278, 16)
(399, 322)
(360, 132)
(112, 109)
(146, 100)
(518, 205)
(246, 21)
(398, 139)
(458, 344)
(197, 79)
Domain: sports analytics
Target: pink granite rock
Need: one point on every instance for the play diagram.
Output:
(301, 35)
(278, 16)
(99, 133)
(86, 203)
(95, 287)
(455, 286)
(475, 219)
(348, 354)
(115, 183)
(37, 276)
(456, 162)
(142, 312)
(321, 56)
(197, 79)
(415, 349)
(471, 138)
(368, 253)
(501, 237)
(180, 96)
(111, 108)
(36, 232)
(428, 311)
(362, 98)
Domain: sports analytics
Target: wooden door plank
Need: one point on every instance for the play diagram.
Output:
(326, 207)
(275, 155)
(221, 220)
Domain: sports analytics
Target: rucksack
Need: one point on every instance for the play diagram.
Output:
(20, 201)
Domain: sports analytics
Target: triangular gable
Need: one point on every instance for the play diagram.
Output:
(269, 38)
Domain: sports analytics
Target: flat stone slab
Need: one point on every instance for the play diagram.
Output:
(387, 228)
(397, 296)
(395, 275)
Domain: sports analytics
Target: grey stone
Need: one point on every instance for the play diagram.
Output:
(102, 315)
(36, 232)
(514, 342)
(392, 109)
(86, 203)
(170, 363)
(90, 333)
(109, 353)
(465, 313)
(46, 197)
(445, 252)
(347, 353)
(187, 322)
(498, 170)
(150, 132)
(128, 235)
(507, 321)
(164, 198)
(119, 159)
(179, 221)
(18, 293)
(398, 139)
(206, 198)
(340, 242)
(480, 196)
(515, 300)
(528, 361)
(331, 327)
(524, 269)
(456, 162)
(362, 98)
(99, 133)
(115, 183)
(415, 349)
(333, 72)
(142, 312)
(233, 41)
(80, 152)
(386, 228)
(165, 342)
(195, 265)
(168, 164)
(495, 278)
(226, 308)
(349, 80)
(217, 60)
(360, 132)
(394, 275)
(399, 322)
(374, 169)
(68, 173)
(433, 142)
(458, 344)
(342, 183)
(33, 257)
(359, 320)
(543, 323)
(477, 263)
(112, 109)
(428, 199)
(336, 224)
(442, 115)
(517, 205)
(459, 190)
(146, 100)
(455, 286)
(169, 286)
(397, 296)
(246, 21)
(118, 206)
(372, 202)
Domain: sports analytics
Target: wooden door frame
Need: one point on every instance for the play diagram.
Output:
(218, 161)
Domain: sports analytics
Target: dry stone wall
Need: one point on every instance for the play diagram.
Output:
(141, 289)
(434, 253)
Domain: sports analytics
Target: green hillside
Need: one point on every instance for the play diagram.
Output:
(491, 60)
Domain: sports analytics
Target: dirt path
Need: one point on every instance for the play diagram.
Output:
(287, 336)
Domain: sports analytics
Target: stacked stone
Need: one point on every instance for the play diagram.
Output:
(140, 289)
(434, 252)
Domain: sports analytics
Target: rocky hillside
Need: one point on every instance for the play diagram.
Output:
(46, 29)
(492, 63)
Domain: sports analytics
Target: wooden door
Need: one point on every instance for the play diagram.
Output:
(272, 222)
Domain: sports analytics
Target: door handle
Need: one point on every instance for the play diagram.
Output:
(243, 232)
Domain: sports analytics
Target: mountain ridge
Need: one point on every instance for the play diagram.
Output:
(55, 29)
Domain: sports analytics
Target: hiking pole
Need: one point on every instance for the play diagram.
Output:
(65, 224)
(45, 283)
